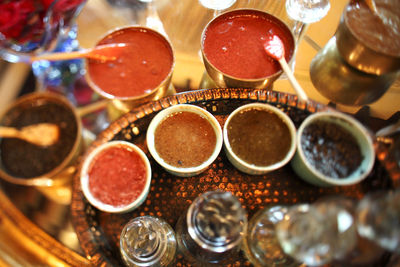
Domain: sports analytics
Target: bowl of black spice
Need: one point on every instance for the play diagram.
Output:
(333, 149)
(30, 164)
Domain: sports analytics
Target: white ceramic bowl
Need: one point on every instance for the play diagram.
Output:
(183, 171)
(253, 169)
(302, 166)
(84, 178)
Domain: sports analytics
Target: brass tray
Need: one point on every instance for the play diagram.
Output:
(170, 196)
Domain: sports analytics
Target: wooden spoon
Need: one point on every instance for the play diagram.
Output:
(275, 49)
(41, 134)
(100, 52)
(372, 6)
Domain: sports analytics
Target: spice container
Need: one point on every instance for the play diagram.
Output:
(115, 177)
(233, 52)
(147, 241)
(212, 229)
(368, 41)
(333, 149)
(184, 139)
(28, 164)
(259, 138)
(141, 71)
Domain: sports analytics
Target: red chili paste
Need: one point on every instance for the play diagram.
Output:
(117, 176)
(233, 43)
(138, 69)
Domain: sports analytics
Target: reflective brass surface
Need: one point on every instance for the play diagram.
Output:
(341, 83)
(360, 56)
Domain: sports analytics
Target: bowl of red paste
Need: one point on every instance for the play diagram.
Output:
(116, 176)
(141, 71)
(233, 51)
(259, 138)
(184, 139)
(333, 149)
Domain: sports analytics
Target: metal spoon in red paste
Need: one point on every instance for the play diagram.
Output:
(275, 49)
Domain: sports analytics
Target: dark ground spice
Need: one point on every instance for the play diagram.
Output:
(25, 160)
(331, 149)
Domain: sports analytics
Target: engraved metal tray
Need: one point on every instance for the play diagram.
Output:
(170, 196)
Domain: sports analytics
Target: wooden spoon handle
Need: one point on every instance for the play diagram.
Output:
(8, 132)
(296, 86)
(61, 55)
(372, 6)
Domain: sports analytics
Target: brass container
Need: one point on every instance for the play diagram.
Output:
(358, 54)
(63, 172)
(341, 83)
(121, 105)
(223, 80)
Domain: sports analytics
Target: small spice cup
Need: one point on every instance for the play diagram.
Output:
(232, 48)
(333, 149)
(141, 71)
(115, 177)
(184, 139)
(259, 138)
(27, 164)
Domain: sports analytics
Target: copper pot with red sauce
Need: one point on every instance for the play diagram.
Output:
(233, 52)
(141, 72)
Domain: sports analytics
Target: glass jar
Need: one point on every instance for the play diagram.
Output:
(211, 231)
(147, 241)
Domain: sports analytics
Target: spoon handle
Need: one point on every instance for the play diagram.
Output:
(8, 132)
(61, 55)
(372, 6)
(102, 52)
(296, 86)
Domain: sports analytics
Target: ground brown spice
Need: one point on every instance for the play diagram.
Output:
(185, 139)
(259, 136)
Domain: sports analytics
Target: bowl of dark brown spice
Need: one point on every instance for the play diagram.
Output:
(259, 138)
(25, 163)
(333, 149)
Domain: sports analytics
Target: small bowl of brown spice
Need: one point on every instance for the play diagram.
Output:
(333, 149)
(184, 139)
(259, 138)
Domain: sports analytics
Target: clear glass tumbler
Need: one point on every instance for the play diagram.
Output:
(42, 27)
(378, 217)
(211, 231)
(261, 245)
(148, 241)
(305, 12)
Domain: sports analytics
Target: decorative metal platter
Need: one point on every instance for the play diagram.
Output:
(170, 196)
